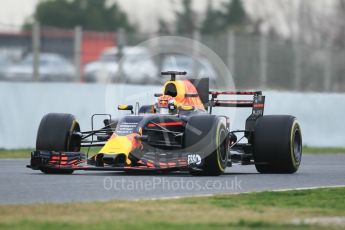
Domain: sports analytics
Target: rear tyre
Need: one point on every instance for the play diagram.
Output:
(55, 133)
(277, 144)
(208, 136)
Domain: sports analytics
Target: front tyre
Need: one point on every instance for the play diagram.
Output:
(208, 135)
(277, 144)
(55, 133)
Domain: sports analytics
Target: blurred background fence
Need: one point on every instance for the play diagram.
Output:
(50, 54)
(294, 46)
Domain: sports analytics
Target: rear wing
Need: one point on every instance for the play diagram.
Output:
(257, 104)
(215, 102)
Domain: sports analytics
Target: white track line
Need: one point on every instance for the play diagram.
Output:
(307, 188)
(237, 193)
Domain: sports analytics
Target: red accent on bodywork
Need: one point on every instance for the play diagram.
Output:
(166, 124)
(259, 105)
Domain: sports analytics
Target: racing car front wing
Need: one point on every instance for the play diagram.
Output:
(67, 161)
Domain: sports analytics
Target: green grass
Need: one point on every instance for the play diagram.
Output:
(323, 150)
(25, 153)
(19, 153)
(329, 201)
(266, 210)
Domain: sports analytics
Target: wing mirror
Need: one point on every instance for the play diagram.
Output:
(126, 108)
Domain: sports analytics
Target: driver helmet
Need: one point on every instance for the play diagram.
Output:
(166, 105)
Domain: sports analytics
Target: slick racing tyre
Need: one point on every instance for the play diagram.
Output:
(55, 133)
(277, 146)
(208, 136)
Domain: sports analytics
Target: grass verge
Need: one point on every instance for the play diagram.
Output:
(266, 210)
(323, 150)
(13, 154)
(25, 153)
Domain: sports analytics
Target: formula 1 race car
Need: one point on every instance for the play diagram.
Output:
(177, 133)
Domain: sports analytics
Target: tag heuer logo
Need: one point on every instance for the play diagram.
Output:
(194, 159)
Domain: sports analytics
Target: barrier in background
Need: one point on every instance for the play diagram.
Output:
(22, 105)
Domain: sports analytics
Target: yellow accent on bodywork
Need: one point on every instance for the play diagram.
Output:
(187, 107)
(180, 87)
(183, 87)
(118, 145)
(123, 107)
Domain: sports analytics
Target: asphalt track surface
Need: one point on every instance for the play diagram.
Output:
(20, 185)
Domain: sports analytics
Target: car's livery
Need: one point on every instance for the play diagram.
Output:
(177, 133)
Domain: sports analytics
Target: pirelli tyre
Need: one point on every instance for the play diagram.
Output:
(207, 135)
(277, 144)
(55, 133)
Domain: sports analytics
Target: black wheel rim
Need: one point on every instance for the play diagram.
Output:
(297, 146)
(74, 144)
(222, 147)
